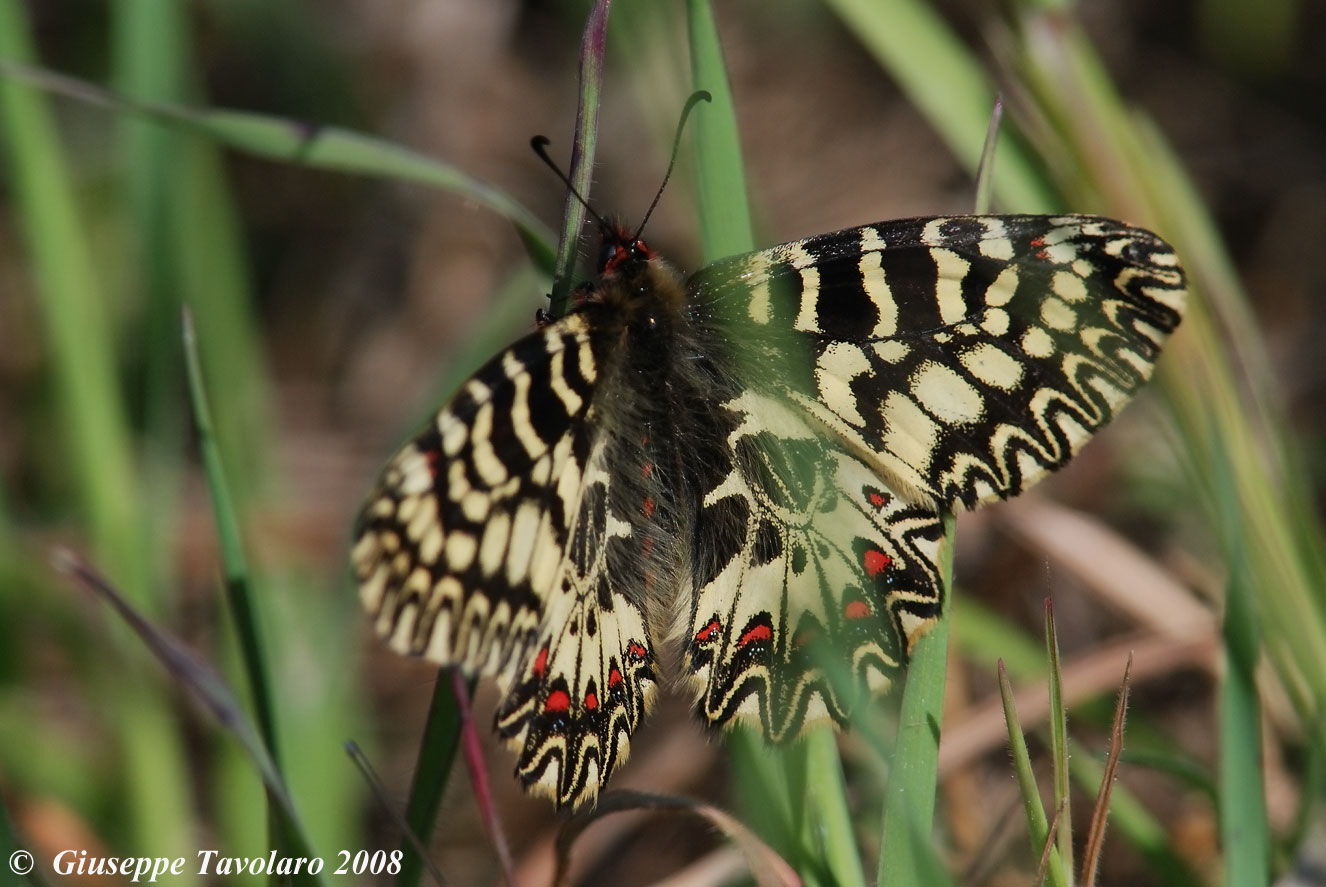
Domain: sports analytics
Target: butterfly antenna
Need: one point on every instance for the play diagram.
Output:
(696, 97)
(540, 145)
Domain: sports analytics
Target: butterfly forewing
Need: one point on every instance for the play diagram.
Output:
(966, 356)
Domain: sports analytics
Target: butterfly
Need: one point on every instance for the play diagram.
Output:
(750, 465)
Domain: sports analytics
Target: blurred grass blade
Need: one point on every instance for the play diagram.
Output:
(985, 168)
(720, 186)
(94, 447)
(943, 79)
(1059, 741)
(74, 313)
(237, 578)
(233, 560)
(1095, 845)
(909, 798)
(767, 868)
(184, 667)
(1216, 373)
(184, 246)
(593, 48)
(1038, 828)
(1244, 830)
(306, 144)
(380, 793)
(437, 753)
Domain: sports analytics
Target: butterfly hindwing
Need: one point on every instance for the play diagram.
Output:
(493, 542)
(810, 579)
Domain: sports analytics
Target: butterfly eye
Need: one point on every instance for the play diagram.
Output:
(608, 255)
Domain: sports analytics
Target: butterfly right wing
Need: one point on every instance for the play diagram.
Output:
(494, 542)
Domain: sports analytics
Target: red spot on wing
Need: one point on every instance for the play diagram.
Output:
(637, 652)
(707, 633)
(755, 635)
(857, 610)
(877, 499)
(591, 701)
(541, 663)
(876, 562)
(614, 678)
(1038, 244)
(805, 637)
(558, 700)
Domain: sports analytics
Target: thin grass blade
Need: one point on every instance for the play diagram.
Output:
(379, 791)
(233, 560)
(1095, 844)
(1244, 829)
(909, 800)
(1038, 828)
(319, 147)
(1047, 852)
(725, 229)
(593, 48)
(1132, 821)
(767, 868)
(1059, 741)
(437, 752)
(946, 82)
(184, 667)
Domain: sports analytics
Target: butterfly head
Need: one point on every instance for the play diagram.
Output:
(621, 254)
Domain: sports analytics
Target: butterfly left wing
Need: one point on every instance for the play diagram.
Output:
(495, 542)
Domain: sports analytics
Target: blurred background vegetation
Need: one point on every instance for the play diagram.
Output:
(334, 311)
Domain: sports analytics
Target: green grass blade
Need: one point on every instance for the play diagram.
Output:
(1244, 829)
(437, 753)
(943, 79)
(909, 800)
(720, 186)
(592, 51)
(720, 189)
(73, 312)
(233, 559)
(318, 147)
(821, 826)
(1216, 374)
(1059, 742)
(1038, 825)
(80, 348)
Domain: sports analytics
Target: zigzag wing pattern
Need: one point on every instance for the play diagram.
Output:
(485, 546)
(573, 704)
(965, 357)
(808, 573)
